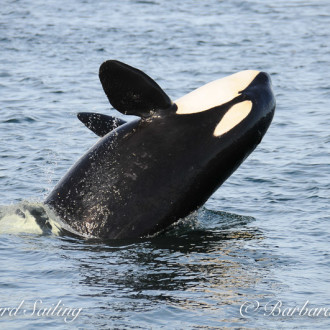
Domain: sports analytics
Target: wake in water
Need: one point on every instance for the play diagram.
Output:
(207, 220)
(29, 218)
(37, 218)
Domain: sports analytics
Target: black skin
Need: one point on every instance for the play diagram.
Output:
(147, 174)
(100, 124)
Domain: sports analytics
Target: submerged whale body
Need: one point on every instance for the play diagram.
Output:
(144, 175)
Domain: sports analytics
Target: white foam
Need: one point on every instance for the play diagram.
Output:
(17, 219)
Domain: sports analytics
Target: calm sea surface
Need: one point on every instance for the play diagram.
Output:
(256, 256)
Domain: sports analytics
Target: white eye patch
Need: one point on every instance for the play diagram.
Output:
(233, 117)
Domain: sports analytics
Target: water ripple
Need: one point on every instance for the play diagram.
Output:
(269, 220)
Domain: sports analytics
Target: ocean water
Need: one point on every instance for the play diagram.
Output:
(256, 256)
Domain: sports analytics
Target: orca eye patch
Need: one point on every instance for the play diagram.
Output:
(233, 117)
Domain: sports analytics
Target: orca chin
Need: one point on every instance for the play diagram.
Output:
(144, 175)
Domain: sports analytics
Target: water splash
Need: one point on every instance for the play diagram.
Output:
(37, 218)
(29, 218)
(205, 220)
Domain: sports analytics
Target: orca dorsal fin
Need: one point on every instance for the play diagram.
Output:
(99, 124)
(131, 91)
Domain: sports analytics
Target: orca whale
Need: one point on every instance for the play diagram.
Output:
(143, 175)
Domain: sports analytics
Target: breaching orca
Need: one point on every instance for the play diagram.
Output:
(146, 174)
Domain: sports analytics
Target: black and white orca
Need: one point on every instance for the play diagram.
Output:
(144, 175)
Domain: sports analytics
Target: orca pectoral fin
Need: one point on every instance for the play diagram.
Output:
(98, 123)
(131, 91)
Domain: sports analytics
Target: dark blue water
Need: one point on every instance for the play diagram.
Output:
(262, 238)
